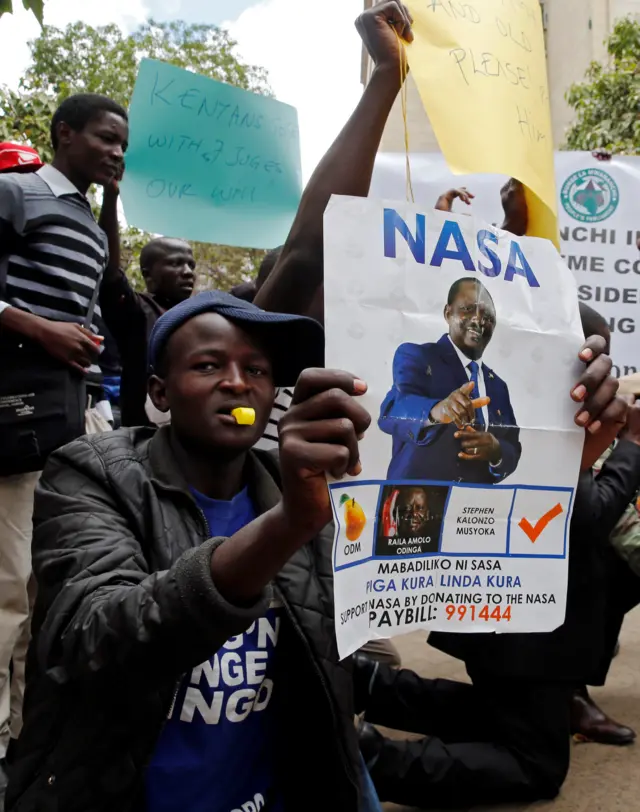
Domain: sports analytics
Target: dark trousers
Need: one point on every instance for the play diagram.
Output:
(495, 741)
(623, 595)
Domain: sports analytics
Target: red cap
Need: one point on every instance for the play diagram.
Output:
(18, 158)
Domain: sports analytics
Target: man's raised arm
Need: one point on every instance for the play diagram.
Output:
(109, 224)
(347, 167)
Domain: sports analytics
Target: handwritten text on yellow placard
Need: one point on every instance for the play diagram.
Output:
(481, 71)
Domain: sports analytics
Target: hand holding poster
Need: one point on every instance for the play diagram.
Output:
(210, 162)
(468, 340)
(481, 70)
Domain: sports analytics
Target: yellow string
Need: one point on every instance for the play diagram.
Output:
(404, 71)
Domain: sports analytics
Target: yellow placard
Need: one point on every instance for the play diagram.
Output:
(481, 71)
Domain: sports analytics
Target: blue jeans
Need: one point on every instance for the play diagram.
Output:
(370, 802)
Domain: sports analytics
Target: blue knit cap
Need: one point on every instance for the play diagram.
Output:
(292, 342)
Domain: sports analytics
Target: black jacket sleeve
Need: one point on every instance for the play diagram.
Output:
(99, 602)
(601, 500)
(124, 315)
(121, 310)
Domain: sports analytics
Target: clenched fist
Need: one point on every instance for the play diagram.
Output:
(319, 435)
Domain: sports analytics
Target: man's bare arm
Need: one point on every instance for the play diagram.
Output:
(347, 167)
(109, 224)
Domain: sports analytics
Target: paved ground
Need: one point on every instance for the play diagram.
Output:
(602, 779)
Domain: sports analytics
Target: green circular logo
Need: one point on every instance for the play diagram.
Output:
(590, 195)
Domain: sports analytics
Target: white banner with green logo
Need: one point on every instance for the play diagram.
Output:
(599, 227)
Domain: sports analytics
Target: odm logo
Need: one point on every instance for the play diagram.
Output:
(590, 195)
(354, 517)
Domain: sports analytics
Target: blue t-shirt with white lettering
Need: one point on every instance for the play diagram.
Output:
(215, 753)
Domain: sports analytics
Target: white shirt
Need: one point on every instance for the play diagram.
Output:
(482, 389)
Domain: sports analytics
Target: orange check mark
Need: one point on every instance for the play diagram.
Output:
(534, 531)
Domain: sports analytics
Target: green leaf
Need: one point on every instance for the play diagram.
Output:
(36, 6)
(344, 498)
(607, 100)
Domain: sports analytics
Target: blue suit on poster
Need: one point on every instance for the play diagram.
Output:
(425, 375)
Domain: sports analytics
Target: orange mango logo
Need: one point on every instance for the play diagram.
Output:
(354, 517)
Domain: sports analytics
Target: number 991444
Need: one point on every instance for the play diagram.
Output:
(474, 612)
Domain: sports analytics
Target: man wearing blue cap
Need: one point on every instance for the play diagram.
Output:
(184, 653)
(183, 633)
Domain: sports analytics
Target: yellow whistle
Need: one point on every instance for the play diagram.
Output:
(244, 416)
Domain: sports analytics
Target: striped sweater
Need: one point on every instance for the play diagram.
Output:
(52, 251)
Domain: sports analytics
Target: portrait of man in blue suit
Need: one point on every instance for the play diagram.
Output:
(449, 414)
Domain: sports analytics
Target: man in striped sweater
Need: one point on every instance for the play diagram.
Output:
(52, 256)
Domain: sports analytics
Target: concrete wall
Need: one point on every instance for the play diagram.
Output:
(620, 8)
(572, 30)
(575, 31)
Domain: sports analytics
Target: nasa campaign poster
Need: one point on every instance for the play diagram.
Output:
(468, 339)
(599, 230)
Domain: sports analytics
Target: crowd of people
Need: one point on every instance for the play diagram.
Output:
(165, 571)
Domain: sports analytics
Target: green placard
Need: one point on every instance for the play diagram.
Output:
(210, 162)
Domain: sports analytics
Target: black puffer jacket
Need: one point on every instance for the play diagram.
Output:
(126, 604)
